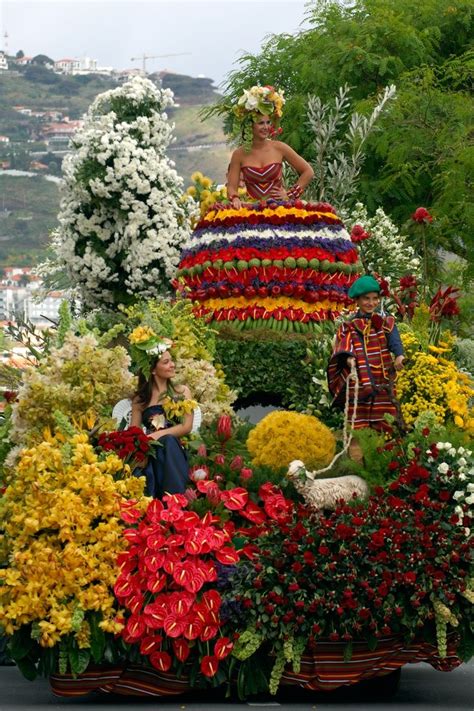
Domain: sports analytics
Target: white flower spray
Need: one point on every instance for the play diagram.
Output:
(123, 218)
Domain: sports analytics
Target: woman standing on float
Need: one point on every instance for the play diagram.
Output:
(268, 260)
(259, 160)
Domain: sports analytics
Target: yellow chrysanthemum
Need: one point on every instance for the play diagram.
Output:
(282, 437)
(430, 382)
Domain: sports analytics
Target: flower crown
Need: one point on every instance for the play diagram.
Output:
(258, 100)
(261, 100)
(146, 345)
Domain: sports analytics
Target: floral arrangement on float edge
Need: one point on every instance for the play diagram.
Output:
(399, 565)
(256, 573)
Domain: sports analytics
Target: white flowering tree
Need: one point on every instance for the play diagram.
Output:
(386, 251)
(123, 218)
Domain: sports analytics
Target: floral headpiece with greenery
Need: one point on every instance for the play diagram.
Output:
(254, 102)
(145, 346)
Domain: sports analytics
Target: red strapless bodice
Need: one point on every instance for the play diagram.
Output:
(261, 181)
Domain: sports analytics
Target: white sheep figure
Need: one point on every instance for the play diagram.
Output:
(325, 493)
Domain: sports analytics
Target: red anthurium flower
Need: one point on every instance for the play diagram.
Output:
(227, 556)
(161, 661)
(211, 600)
(132, 535)
(150, 644)
(209, 665)
(189, 520)
(135, 627)
(154, 510)
(135, 603)
(154, 617)
(207, 487)
(175, 501)
(156, 583)
(208, 632)
(182, 603)
(156, 540)
(235, 499)
(190, 578)
(217, 538)
(181, 649)
(129, 514)
(154, 561)
(173, 626)
(123, 588)
(207, 569)
(192, 628)
(253, 513)
(223, 647)
(268, 489)
(250, 551)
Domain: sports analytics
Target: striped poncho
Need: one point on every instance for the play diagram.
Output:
(370, 340)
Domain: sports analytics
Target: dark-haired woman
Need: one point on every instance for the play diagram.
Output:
(167, 472)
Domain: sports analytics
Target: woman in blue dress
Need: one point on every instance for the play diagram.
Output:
(167, 472)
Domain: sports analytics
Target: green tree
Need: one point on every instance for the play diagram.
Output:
(422, 156)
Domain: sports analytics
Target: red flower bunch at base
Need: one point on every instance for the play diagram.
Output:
(130, 445)
(368, 570)
(165, 583)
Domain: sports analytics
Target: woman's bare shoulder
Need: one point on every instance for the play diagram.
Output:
(237, 155)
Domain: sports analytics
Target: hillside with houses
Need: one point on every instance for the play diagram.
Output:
(42, 102)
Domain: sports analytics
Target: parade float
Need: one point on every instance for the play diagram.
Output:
(247, 581)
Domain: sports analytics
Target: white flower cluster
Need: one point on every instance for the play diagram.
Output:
(386, 251)
(459, 461)
(213, 235)
(123, 219)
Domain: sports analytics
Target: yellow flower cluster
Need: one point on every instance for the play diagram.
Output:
(177, 409)
(206, 192)
(270, 303)
(430, 382)
(279, 211)
(282, 437)
(141, 334)
(62, 534)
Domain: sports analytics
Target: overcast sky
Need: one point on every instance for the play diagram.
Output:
(213, 32)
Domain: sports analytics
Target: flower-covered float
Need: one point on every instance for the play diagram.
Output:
(281, 266)
(242, 582)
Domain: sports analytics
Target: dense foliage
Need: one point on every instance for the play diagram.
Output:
(422, 156)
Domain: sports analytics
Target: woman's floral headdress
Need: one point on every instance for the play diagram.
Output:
(254, 102)
(145, 346)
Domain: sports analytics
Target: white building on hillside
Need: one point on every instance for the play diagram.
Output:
(86, 65)
(3, 62)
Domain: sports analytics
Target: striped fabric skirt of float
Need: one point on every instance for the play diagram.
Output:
(326, 670)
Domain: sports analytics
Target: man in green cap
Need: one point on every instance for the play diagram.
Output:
(367, 341)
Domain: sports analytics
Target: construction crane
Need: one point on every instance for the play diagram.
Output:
(144, 57)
